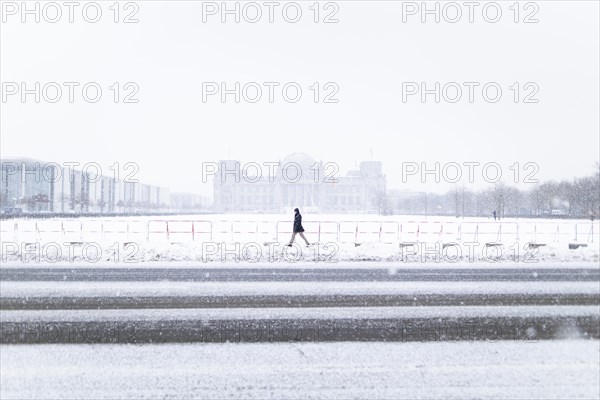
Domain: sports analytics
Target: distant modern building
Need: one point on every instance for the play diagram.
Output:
(299, 181)
(189, 202)
(38, 186)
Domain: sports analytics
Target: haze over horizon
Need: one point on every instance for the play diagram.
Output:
(369, 54)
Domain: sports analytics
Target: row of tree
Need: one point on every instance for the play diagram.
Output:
(41, 202)
(579, 198)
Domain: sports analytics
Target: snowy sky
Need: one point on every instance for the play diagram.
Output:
(368, 55)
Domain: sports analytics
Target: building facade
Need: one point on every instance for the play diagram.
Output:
(189, 202)
(38, 186)
(298, 181)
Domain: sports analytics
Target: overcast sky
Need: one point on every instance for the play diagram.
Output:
(368, 54)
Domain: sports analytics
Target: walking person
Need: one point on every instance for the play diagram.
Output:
(494, 215)
(298, 229)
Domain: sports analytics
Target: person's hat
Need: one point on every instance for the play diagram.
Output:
(296, 210)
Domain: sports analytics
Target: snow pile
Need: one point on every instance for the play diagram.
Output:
(272, 252)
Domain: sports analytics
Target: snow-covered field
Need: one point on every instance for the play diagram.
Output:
(490, 370)
(252, 238)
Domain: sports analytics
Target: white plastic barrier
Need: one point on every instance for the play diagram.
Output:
(129, 230)
(410, 231)
(450, 232)
(431, 231)
(469, 232)
(266, 231)
(223, 231)
(509, 233)
(547, 232)
(203, 231)
(245, 231)
(9, 231)
(137, 231)
(180, 231)
(27, 231)
(115, 230)
(72, 230)
(328, 232)
(311, 230)
(528, 232)
(587, 232)
(389, 232)
(348, 231)
(93, 230)
(368, 231)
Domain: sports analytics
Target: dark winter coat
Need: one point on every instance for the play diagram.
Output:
(298, 223)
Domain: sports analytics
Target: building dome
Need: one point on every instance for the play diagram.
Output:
(295, 163)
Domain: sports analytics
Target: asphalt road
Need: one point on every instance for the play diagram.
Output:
(93, 305)
(341, 300)
(534, 272)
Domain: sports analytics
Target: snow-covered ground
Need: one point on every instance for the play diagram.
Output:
(510, 368)
(490, 370)
(313, 313)
(262, 238)
(114, 289)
